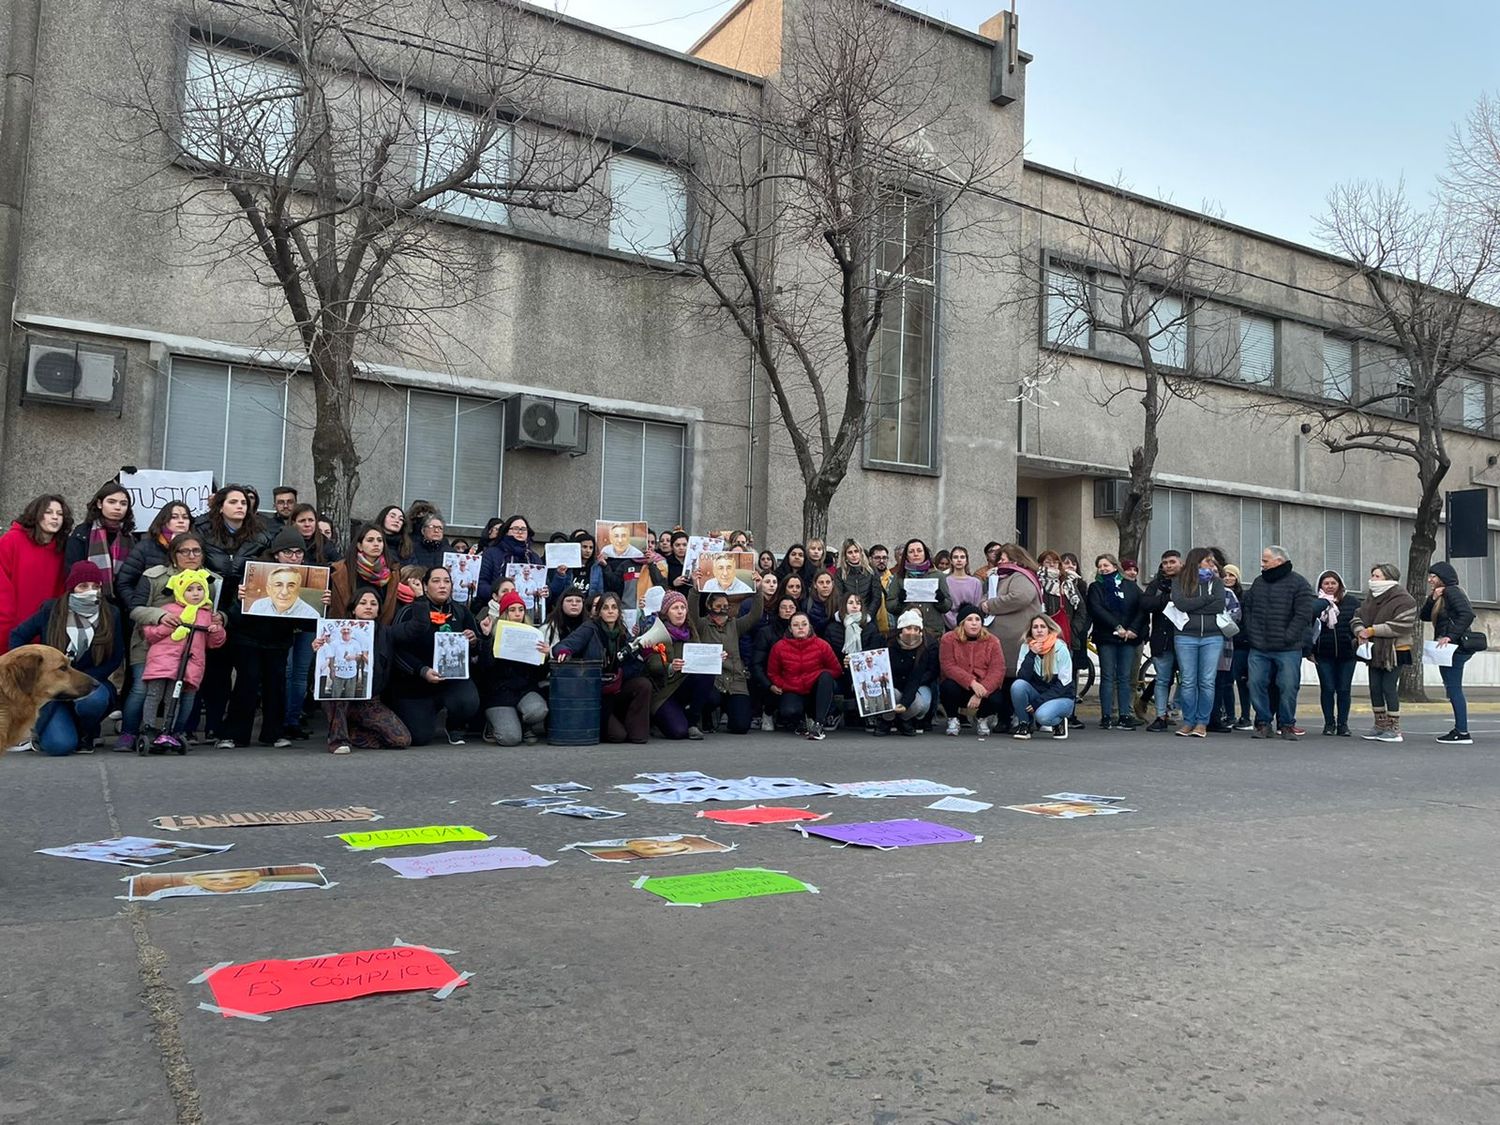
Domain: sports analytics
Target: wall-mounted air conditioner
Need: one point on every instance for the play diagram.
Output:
(70, 373)
(1110, 496)
(532, 422)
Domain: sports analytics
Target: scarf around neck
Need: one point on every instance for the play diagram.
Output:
(1330, 615)
(107, 547)
(377, 573)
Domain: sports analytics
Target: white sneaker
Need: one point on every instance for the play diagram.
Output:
(982, 726)
(768, 722)
(21, 747)
(224, 744)
(282, 743)
(953, 727)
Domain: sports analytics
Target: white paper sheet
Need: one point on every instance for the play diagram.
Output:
(1442, 656)
(518, 642)
(960, 804)
(702, 659)
(564, 554)
(651, 603)
(902, 787)
(1175, 615)
(920, 590)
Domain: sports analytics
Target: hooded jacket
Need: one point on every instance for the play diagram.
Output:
(1456, 616)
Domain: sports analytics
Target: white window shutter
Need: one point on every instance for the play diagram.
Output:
(430, 440)
(1257, 349)
(648, 208)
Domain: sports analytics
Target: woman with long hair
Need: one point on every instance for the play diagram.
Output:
(1198, 591)
(171, 520)
(1042, 690)
(31, 561)
(1387, 622)
(105, 535)
(1447, 607)
(1117, 619)
(962, 586)
(625, 708)
(916, 563)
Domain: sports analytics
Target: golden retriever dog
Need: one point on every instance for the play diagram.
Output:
(30, 676)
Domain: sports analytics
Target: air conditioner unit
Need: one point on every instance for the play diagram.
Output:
(532, 422)
(1110, 496)
(68, 373)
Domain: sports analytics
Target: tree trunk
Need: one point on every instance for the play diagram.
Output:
(335, 459)
(1418, 559)
(815, 505)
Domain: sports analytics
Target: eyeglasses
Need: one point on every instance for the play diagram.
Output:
(190, 552)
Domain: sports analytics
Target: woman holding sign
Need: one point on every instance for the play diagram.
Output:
(513, 546)
(920, 585)
(417, 692)
(366, 723)
(673, 693)
(730, 689)
(510, 691)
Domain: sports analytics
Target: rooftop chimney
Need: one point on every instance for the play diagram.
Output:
(1005, 65)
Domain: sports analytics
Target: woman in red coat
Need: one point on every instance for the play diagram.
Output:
(31, 561)
(803, 670)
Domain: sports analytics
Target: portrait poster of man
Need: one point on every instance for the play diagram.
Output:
(464, 569)
(343, 659)
(621, 540)
(239, 881)
(450, 656)
(287, 590)
(871, 672)
(726, 572)
(648, 847)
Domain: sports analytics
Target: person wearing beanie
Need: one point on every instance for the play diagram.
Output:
(914, 676)
(417, 692)
(973, 669)
(1333, 651)
(1118, 620)
(1447, 607)
(510, 691)
(1387, 623)
(85, 626)
(674, 695)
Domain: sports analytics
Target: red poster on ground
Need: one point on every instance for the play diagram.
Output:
(274, 986)
(762, 814)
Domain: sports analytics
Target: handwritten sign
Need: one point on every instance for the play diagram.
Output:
(763, 814)
(151, 490)
(721, 886)
(518, 642)
(402, 837)
(260, 819)
(886, 834)
(260, 987)
(458, 863)
(703, 660)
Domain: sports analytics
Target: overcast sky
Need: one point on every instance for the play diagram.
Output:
(1256, 109)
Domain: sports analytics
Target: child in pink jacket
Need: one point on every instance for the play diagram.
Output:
(189, 622)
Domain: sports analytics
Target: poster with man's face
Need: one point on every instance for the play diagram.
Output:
(627, 540)
(290, 591)
(725, 572)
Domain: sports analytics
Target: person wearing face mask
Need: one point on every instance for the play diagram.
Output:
(86, 628)
(729, 692)
(1198, 592)
(766, 636)
(1117, 619)
(1447, 607)
(804, 673)
(674, 694)
(417, 693)
(105, 535)
(1387, 622)
(1042, 691)
(1332, 651)
(31, 561)
(514, 545)
(172, 520)
(914, 677)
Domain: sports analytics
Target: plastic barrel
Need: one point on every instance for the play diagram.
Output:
(573, 701)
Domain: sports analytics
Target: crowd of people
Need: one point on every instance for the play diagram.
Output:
(992, 642)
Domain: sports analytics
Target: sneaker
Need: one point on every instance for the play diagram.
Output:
(1261, 730)
(1328, 729)
(1106, 724)
(125, 744)
(1022, 732)
(1342, 730)
(1199, 731)
(1289, 734)
(224, 744)
(1243, 724)
(282, 743)
(1391, 736)
(768, 722)
(1456, 738)
(880, 730)
(953, 727)
(1372, 735)
(455, 739)
(1060, 731)
(905, 728)
(982, 728)
(1219, 727)
(1076, 724)
(835, 721)
(1127, 723)
(1184, 732)
(341, 748)
(1158, 725)
(814, 731)
(694, 734)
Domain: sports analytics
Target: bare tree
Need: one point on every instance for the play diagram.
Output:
(1122, 284)
(1423, 277)
(315, 145)
(820, 212)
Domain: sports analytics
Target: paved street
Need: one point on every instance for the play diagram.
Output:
(1281, 934)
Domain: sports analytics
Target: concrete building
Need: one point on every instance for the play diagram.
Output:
(577, 387)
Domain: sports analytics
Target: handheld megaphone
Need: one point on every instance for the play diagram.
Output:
(656, 635)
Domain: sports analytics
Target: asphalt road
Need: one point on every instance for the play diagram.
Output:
(1280, 934)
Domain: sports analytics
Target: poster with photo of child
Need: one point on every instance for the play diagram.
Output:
(343, 660)
(450, 656)
(290, 591)
(725, 572)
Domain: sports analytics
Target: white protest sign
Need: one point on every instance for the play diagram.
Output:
(519, 643)
(151, 490)
(564, 554)
(921, 590)
(702, 659)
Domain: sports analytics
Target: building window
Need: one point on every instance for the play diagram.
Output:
(238, 110)
(453, 450)
(647, 208)
(1257, 349)
(1477, 576)
(1171, 527)
(1168, 329)
(231, 420)
(1341, 547)
(1476, 413)
(1067, 309)
(905, 373)
(1338, 369)
(449, 136)
(643, 472)
(1260, 527)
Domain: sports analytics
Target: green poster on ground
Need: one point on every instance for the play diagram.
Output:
(401, 837)
(720, 886)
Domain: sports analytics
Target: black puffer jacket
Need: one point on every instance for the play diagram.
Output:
(1279, 610)
(913, 669)
(1339, 642)
(1456, 616)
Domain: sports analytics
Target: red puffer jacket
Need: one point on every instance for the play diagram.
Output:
(964, 661)
(29, 576)
(795, 663)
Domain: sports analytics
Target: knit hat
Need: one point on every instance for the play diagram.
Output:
(178, 584)
(912, 617)
(968, 609)
(84, 571)
(669, 599)
(1230, 568)
(288, 539)
(509, 599)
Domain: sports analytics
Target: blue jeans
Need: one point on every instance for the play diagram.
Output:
(1114, 681)
(1023, 696)
(1284, 667)
(1453, 684)
(63, 724)
(921, 704)
(1335, 678)
(1198, 658)
(135, 700)
(298, 664)
(1164, 665)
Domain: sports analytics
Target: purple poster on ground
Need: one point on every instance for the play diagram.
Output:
(886, 834)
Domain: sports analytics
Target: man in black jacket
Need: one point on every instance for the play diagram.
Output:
(1163, 635)
(1279, 610)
